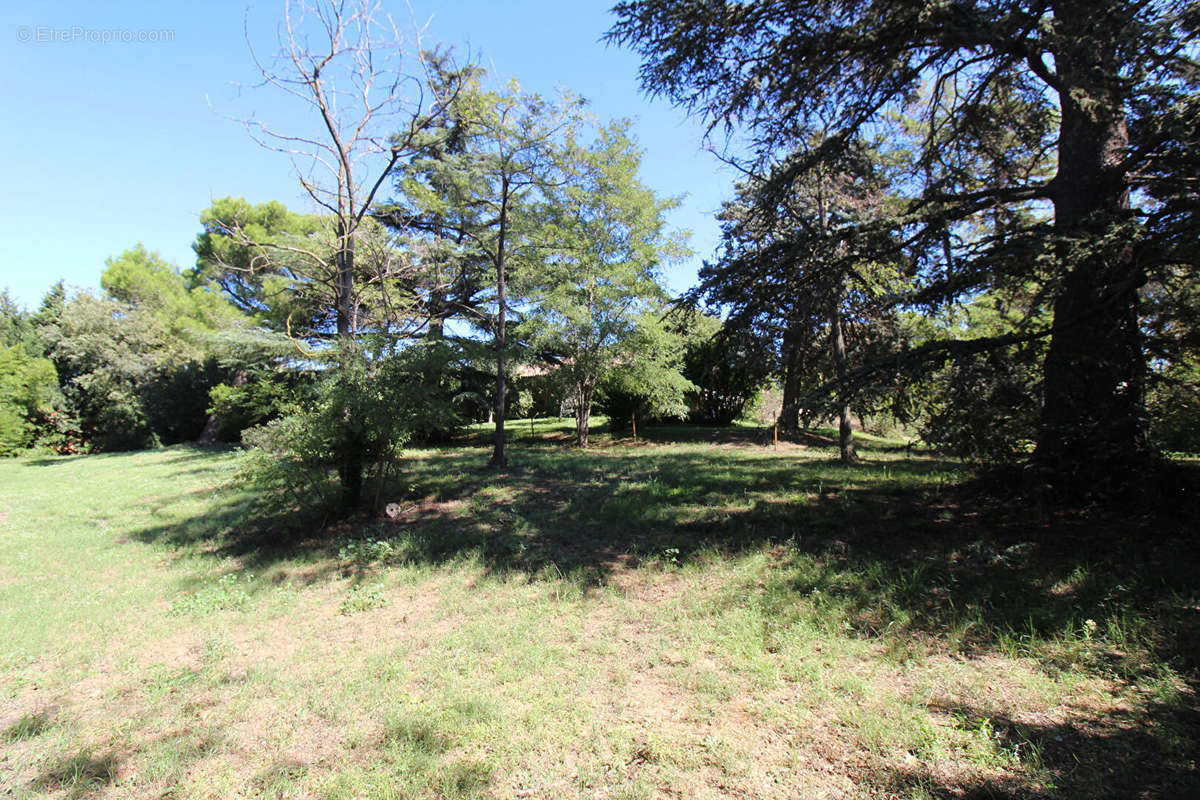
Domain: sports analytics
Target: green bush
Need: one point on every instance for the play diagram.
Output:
(361, 414)
(729, 370)
(28, 390)
(985, 408)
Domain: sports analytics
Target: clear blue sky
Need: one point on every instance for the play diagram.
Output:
(112, 143)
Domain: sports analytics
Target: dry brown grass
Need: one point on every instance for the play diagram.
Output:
(601, 671)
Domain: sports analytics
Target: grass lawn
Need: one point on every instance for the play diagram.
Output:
(699, 615)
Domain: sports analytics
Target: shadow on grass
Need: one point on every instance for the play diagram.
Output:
(175, 454)
(899, 550)
(1117, 757)
(79, 775)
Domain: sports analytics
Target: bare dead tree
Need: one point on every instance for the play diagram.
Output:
(371, 99)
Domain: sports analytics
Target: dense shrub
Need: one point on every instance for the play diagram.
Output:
(358, 417)
(985, 408)
(729, 370)
(28, 391)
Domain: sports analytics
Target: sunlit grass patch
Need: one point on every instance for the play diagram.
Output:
(721, 620)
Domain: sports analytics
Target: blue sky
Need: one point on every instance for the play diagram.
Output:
(125, 141)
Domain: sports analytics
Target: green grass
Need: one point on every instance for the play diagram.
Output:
(673, 618)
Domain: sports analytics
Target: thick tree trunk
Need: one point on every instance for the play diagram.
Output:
(1092, 425)
(845, 431)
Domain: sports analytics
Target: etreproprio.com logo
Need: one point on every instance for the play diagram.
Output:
(49, 34)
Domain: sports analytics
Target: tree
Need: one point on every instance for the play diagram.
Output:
(137, 364)
(16, 325)
(589, 302)
(259, 258)
(727, 364)
(477, 193)
(651, 385)
(1108, 89)
(348, 65)
(33, 412)
(798, 266)
(28, 390)
(144, 280)
(279, 267)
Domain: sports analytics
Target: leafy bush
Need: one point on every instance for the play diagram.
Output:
(729, 370)
(255, 397)
(28, 390)
(985, 408)
(361, 414)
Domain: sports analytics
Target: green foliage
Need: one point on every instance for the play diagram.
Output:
(727, 366)
(1001, 114)
(144, 280)
(259, 396)
(1174, 407)
(363, 597)
(364, 552)
(474, 202)
(271, 263)
(983, 406)
(106, 353)
(652, 384)
(360, 411)
(137, 366)
(15, 323)
(28, 392)
(593, 301)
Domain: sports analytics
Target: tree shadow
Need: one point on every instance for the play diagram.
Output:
(1120, 756)
(175, 454)
(905, 551)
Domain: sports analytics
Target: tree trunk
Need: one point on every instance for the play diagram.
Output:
(789, 413)
(437, 316)
(583, 416)
(350, 464)
(499, 460)
(845, 432)
(1092, 425)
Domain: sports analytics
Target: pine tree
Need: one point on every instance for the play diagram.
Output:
(1106, 89)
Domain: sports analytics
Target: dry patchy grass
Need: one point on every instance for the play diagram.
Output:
(675, 620)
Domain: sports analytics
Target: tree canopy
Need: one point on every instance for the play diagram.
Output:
(1102, 92)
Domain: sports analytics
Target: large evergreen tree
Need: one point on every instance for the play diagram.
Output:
(476, 192)
(1106, 89)
(798, 267)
